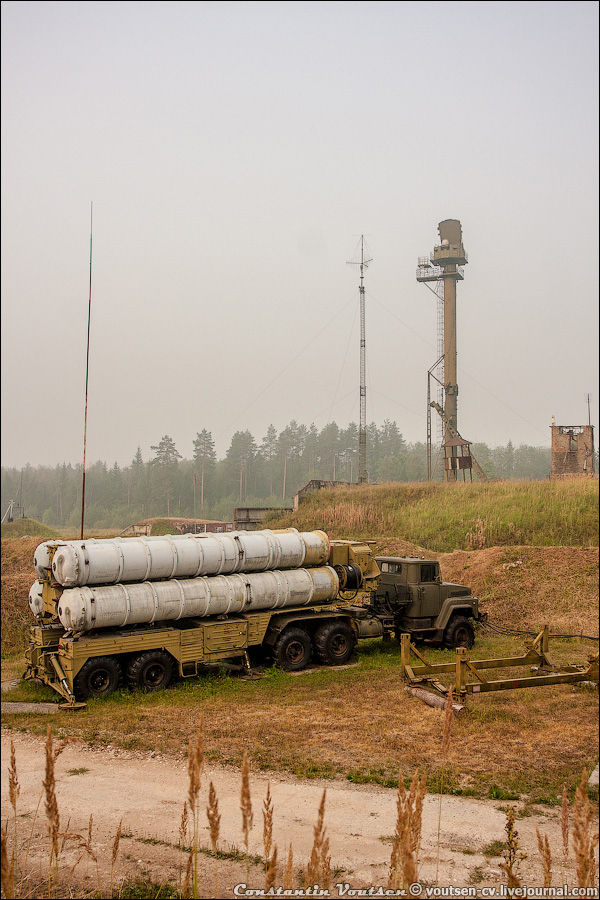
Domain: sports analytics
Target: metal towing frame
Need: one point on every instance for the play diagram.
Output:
(536, 656)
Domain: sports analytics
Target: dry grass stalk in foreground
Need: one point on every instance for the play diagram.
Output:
(268, 823)
(447, 723)
(564, 822)
(214, 821)
(544, 848)
(584, 841)
(183, 826)
(271, 873)
(7, 865)
(185, 890)
(444, 754)
(85, 845)
(14, 790)
(288, 875)
(513, 857)
(246, 807)
(407, 836)
(115, 853)
(319, 865)
(51, 804)
(195, 768)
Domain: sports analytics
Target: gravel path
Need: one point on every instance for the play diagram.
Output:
(147, 792)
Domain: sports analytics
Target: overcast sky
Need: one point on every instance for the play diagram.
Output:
(234, 153)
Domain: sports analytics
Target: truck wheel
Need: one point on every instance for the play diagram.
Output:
(459, 633)
(98, 677)
(150, 671)
(293, 649)
(334, 643)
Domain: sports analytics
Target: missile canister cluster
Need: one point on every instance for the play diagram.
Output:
(124, 581)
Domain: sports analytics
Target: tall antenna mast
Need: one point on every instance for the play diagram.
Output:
(87, 371)
(362, 428)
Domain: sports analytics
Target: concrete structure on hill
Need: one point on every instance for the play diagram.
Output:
(179, 526)
(315, 485)
(572, 450)
(249, 518)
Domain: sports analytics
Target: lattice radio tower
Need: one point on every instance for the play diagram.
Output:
(362, 428)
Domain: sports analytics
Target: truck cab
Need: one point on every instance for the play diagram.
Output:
(430, 609)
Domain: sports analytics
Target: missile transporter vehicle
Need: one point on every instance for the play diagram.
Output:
(146, 610)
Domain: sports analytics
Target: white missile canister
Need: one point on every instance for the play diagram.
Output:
(122, 560)
(114, 606)
(36, 602)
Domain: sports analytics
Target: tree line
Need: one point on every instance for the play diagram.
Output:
(268, 473)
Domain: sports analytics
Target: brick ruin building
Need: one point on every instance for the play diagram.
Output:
(572, 450)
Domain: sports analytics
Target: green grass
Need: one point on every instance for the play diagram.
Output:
(27, 528)
(143, 889)
(496, 793)
(494, 848)
(445, 517)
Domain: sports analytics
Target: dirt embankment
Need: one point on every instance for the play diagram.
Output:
(526, 587)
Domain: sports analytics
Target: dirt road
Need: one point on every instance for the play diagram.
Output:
(148, 792)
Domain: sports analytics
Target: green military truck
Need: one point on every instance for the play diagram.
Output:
(412, 591)
(104, 630)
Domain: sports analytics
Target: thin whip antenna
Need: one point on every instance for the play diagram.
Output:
(87, 373)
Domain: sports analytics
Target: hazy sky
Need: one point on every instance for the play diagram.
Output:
(234, 153)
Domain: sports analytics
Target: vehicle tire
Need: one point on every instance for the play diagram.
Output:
(334, 643)
(293, 649)
(459, 633)
(150, 671)
(98, 677)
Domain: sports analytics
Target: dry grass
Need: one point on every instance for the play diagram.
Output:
(195, 769)
(319, 865)
(585, 840)
(513, 857)
(268, 822)
(546, 855)
(404, 869)
(214, 822)
(17, 577)
(246, 805)
(466, 516)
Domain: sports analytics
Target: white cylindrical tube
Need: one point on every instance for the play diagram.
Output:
(122, 560)
(114, 606)
(36, 602)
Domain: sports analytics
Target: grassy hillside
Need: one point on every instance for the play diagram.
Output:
(446, 517)
(28, 528)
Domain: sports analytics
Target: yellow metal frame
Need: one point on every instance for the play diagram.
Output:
(536, 655)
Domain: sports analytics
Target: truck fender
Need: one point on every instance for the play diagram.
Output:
(451, 607)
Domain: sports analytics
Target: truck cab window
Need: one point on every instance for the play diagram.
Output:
(428, 573)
